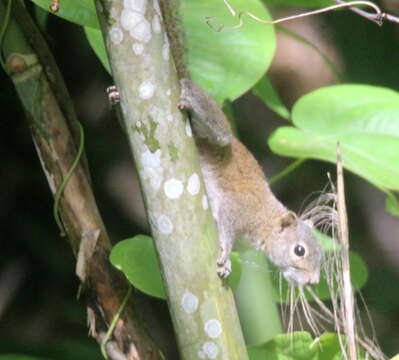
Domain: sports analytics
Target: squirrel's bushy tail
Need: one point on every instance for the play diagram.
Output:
(173, 27)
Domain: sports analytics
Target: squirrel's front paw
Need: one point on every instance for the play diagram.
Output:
(223, 265)
(224, 270)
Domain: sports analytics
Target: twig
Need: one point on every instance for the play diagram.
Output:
(114, 321)
(378, 14)
(347, 291)
(283, 173)
(375, 18)
(378, 17)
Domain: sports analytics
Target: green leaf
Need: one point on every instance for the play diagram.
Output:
(265, 91)
(299, 3)
(235, 275)
(41, 17)
(136, 258)
(392, 204)
(81, 12)
(300, 346)
(227, 63)
(364, 119)
(294, 346)
(96, 41)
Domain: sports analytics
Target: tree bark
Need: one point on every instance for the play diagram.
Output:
(201, 305)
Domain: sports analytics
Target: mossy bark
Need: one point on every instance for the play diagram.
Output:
(201, 304)
(30, 67)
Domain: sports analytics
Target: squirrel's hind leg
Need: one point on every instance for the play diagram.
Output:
(207, 119)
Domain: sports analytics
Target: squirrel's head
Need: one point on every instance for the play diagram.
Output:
(295, 250)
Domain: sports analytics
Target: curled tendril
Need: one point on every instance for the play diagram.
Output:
(66, 180)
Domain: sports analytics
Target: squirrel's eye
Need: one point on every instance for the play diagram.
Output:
(299, 250)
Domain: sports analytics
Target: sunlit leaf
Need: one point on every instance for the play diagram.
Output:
(363, 119)
(227, 63)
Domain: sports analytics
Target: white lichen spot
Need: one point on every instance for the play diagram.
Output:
(136, 5)
(146, 90)
(156, 25)
(173, 188)
(157, 8)
(142, 31)
(149, 159)
(209, 351)
(165, 226)
(138, 48)
(165, 51)
(137, 25)
(130, 19)
(152, 169)
(189, 302)
(213, 328)
(204, 202)
(116, 35)
(169, 117)
(138, 123)
(189, 132)
(168, 92)
(193, 186)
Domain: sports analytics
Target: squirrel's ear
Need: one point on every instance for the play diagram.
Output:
(287, 220)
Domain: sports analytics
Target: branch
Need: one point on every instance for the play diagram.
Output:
(57, 151)
(184, 232)
(376, 18)
(348, 307)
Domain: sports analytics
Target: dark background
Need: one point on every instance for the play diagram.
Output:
(39, 313)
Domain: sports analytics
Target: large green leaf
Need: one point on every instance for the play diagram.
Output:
(364, 119)
(137, 259)
(81, 12)
(229, 62)
(300, 3)
(226, 63)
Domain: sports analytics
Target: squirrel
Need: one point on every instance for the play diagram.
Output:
(241, 201)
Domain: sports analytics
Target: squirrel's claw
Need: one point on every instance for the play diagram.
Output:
(223, 264)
